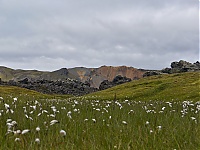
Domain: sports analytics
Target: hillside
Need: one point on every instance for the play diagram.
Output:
(13, 91)
(94, 76)
(180, 86)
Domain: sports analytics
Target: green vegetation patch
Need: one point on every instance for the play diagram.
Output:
(181, 86)
(25, 93)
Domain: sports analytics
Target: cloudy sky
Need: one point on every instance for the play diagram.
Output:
(52, 34)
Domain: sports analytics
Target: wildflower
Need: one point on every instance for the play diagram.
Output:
(8, 120)
(30, 118)
(26, 116)
(25, 131)
(14, 123)
(37, 129)
(7, 106)
(131, 111)
(86, 119)
(51, 115)
(37, 140)
(18, 131)
(34, 107)
(15, 98)
(94, 120)
(163, 108)
(124, 122)
(69, 114)
(44, 111)
(193, 118)
(147, 122)
(75, 110)
(159, 128)
(151, 131)
(62, 133)
(17, 139)
(53, 122)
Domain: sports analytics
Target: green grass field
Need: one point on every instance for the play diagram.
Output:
(181, 86)
(160, 112)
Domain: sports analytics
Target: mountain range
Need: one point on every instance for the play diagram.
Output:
(93, 76)
(80, 80)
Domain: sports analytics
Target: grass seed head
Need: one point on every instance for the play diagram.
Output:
(62, 133)
(25, 131)
(17, 139)
(37, 140)
(37, 129)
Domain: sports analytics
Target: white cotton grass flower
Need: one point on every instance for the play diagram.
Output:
(159, 128)
(37, 129)
(53, 122)
(15, 98)
(25, 131)
(124, 122)
(94, 120)
(193, 118)
(17, 139)
(52, 115)
(163, 108)
(147, 122)
(14, 123)
(62, 133)
(37, 140)
(86, 119)
(69, 114)
(131, 111)
(17, 132)
(7, 106)
(8, 120)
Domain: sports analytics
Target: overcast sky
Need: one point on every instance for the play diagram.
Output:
(52, 34)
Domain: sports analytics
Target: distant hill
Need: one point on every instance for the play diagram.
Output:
(94, 76)
(168, 87)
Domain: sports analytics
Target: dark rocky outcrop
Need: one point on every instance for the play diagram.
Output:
(116, 81)
(151, 73)
(176, 67)
(69, 86)
(182, 66)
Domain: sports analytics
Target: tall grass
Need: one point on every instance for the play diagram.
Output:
(99, 125)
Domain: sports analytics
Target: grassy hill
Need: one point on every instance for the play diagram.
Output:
(23, 93)
(181, 86)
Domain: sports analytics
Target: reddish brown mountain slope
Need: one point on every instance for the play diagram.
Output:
(111, 72)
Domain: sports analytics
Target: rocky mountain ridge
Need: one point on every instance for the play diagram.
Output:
(79, 81)
(93, 76)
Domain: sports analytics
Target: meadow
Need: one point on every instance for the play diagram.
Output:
(106, 120)
(98, 125)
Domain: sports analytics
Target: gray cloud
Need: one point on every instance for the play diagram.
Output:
(48, 35)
